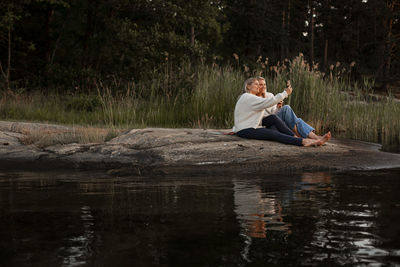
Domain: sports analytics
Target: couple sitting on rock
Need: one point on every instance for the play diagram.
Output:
(260, 115)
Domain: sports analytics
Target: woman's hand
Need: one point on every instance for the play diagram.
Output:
(289, 90)
(262, 92)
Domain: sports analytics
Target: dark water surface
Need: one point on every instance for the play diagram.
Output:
(81, 219)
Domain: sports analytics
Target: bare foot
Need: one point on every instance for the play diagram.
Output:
(325, 138)
(317, 142)
(327, 135)
(312, 135)
(311, 142)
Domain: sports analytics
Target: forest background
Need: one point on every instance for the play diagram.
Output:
(161, 62)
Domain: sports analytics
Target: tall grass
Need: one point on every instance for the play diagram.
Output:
(206, 100)
(329, 101)
(204, 96)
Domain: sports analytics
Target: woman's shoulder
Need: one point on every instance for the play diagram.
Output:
(245, 95)
(245, 98)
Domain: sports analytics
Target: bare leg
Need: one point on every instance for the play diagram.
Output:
(296, 132)
(312, 135)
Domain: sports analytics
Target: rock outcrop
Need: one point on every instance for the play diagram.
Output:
(161, 150)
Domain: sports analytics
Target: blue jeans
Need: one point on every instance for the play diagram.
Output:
(289, 117)
(283, 134)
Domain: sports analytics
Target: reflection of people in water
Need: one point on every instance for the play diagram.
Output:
(258, 227)
(257, 210)
(256, 213)
(260, 212)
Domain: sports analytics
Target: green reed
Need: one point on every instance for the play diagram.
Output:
(204, 96)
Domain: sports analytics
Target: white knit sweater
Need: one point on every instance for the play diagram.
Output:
(271, 110)
(249, 109)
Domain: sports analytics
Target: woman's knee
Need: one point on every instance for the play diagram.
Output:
(273, 117)
(287, 112)
(269, 120)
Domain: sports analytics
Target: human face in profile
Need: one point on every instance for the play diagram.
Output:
(253, 87)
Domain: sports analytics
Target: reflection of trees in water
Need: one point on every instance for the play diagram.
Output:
(45, 226)
(171, 222)
(114, 222)
(345, 232)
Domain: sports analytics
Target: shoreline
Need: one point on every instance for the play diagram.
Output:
(163, 151)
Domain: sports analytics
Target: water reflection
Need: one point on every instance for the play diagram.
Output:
(260, 211)
(341, 219)
(53, 219)
(78, 248)
(257, 212)
(345, 233)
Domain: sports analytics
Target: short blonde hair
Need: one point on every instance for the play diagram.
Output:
(247, 82)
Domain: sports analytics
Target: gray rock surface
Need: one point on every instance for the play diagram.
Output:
(161, 151)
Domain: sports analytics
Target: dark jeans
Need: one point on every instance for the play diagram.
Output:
(276, 122)
(282, 133)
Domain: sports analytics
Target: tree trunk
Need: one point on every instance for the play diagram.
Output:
(387, 60)
(50, 13)
(91, 15)
(312, 35)
(389, 48)
(192, 35)
(326, 54)
(358, 34)
(375, 16)
(283, 36)
(288, 29)
(8, 61)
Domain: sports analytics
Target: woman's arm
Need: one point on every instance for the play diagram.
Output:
(257, 103)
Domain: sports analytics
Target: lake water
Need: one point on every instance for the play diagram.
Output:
(88, 219)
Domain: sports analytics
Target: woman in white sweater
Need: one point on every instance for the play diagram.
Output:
(249, 112)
